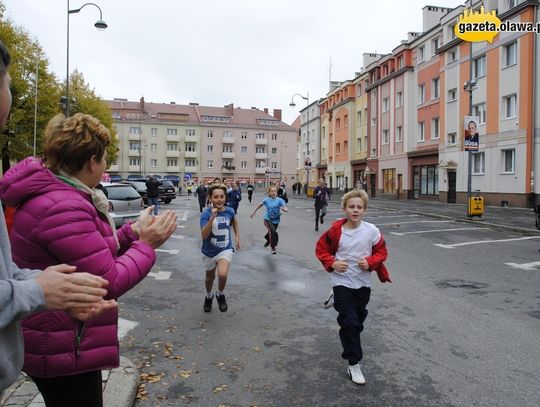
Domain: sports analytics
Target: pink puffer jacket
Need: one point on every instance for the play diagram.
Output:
(57, 223)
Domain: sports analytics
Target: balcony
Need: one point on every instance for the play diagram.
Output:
(134, 153)
(228, 140)
(261, 141)
(134, 168)
(173, 137)
(228, 170)
(227, 154)
(191, 139)
(191, 154)
(173, 168)
(261, 156)
(134, 137)
(260, 171)
(172, 153)
(191, 168)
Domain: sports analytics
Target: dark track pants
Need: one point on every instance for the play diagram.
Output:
(271, 236)
(81, 390)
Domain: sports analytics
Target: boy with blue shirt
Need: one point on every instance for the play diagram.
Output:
(274, 205)
(217, 245)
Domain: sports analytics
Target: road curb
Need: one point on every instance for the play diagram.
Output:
(121, 387)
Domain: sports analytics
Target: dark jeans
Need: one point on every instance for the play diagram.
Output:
(250, 195)
(351, 307)
(202, 204)
(81, 390)
(271, 236)
(154, 201)
(318, 215)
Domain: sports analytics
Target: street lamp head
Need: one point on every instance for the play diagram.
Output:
(292, 104)
(100, 25)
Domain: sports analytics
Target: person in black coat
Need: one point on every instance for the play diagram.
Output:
(202, 195)
(152, 193)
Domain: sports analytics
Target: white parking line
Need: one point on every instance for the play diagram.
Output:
(417, 221)
(161, 275)
(434, 230)
(451, 246)
(173, 251)
(524, 266)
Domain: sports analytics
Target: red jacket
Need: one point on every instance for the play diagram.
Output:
(327, 247)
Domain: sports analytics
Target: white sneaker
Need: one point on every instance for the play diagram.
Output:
(355, 374)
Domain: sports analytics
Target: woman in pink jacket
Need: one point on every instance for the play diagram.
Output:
(62, 218)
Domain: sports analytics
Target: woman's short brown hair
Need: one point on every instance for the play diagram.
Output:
(69, 143)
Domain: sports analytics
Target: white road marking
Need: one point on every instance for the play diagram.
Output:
(173, 251)
(161, 275)
(185, 216)
(124, 326)
(451, 246)
(417, 221)
(392, 216)
(178, 236)
(434, 230)
(524, 266)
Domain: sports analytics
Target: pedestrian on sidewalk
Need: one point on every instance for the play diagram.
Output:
(234, 196)
(62, 217)
(217, 247)
(202, 196)
(250, 189)
(274, 205)
(25, 291)
(321, 196)
(350, 250)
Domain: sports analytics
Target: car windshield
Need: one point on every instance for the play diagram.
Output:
(138, 184)
(121, 192)
(167, 184)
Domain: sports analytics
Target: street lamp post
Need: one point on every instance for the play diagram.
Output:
(469, 87)
(99, 24)
(292, 104)
(281, 145)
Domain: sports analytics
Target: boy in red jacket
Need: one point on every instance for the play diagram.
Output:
(350, 250)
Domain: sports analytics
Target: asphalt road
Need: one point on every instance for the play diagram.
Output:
(459, 326)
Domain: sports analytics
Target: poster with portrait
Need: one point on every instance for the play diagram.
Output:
(471, 138)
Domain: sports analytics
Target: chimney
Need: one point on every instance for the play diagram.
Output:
(230, 109)
(193, 104)
(265, 110)
(277, 114)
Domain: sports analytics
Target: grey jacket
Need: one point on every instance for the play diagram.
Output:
(20, 295)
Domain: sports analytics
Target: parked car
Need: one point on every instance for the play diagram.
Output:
(125, 203)
(167, 192)
(140, 187)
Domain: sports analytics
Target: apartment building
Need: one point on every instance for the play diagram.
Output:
(193, 143)
(310, 144)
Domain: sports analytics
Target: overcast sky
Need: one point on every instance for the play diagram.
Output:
(214, 52)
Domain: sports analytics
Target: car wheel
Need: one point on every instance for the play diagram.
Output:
(167, 201)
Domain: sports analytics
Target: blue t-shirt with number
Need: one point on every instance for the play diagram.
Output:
(220, 236)
(273, 208)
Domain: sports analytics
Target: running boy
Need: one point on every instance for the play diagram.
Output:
(217, 245)
(274, 205)
(350, 249)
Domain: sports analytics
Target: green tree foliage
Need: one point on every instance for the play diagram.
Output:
(17, 141)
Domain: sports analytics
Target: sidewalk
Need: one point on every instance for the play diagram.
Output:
(510, 218)
(119, 388)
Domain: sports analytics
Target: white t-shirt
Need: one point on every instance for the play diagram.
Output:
(355, 244)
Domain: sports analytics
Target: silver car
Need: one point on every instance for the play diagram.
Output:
(125, 203)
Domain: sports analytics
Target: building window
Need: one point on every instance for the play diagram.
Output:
(421, 54)
(478, 166)
(428, 179)
(134, 162)
(189, 147)
(358, 89)
(153, 147)
(338, 124)
(259, 136)
(210, 148)
(479, 66)
(210, 164)
(508, 157)
(243, 164)
(210, 134)
(359, 144)
(134, 130)
(435, 128)
(386, 104)
(153, 163)
(153, 131)
(243, 150)
(509, 105)
(421, 93)
(172, 147)
(274, 165)
(512, 3)
(480, 111)
(451, 138)
(386, 136)
(260, 150)
(421, 131)
(452, 54)
(434, 45)
(399, 133)
(190, 132)
(510, 54)
(172, 132)
(346, 121)
(400, 62)
(274, 136)
(172, 162)
(134, 146)
(227, 134)
(274, 150)
(338, 148)
(435, 88)
(189, 163)
(227, 148)
(244, 135)
(399, 99)
(451, 32)
(359, 118)
(452, 95)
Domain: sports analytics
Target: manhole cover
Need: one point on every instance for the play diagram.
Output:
(461, 284)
